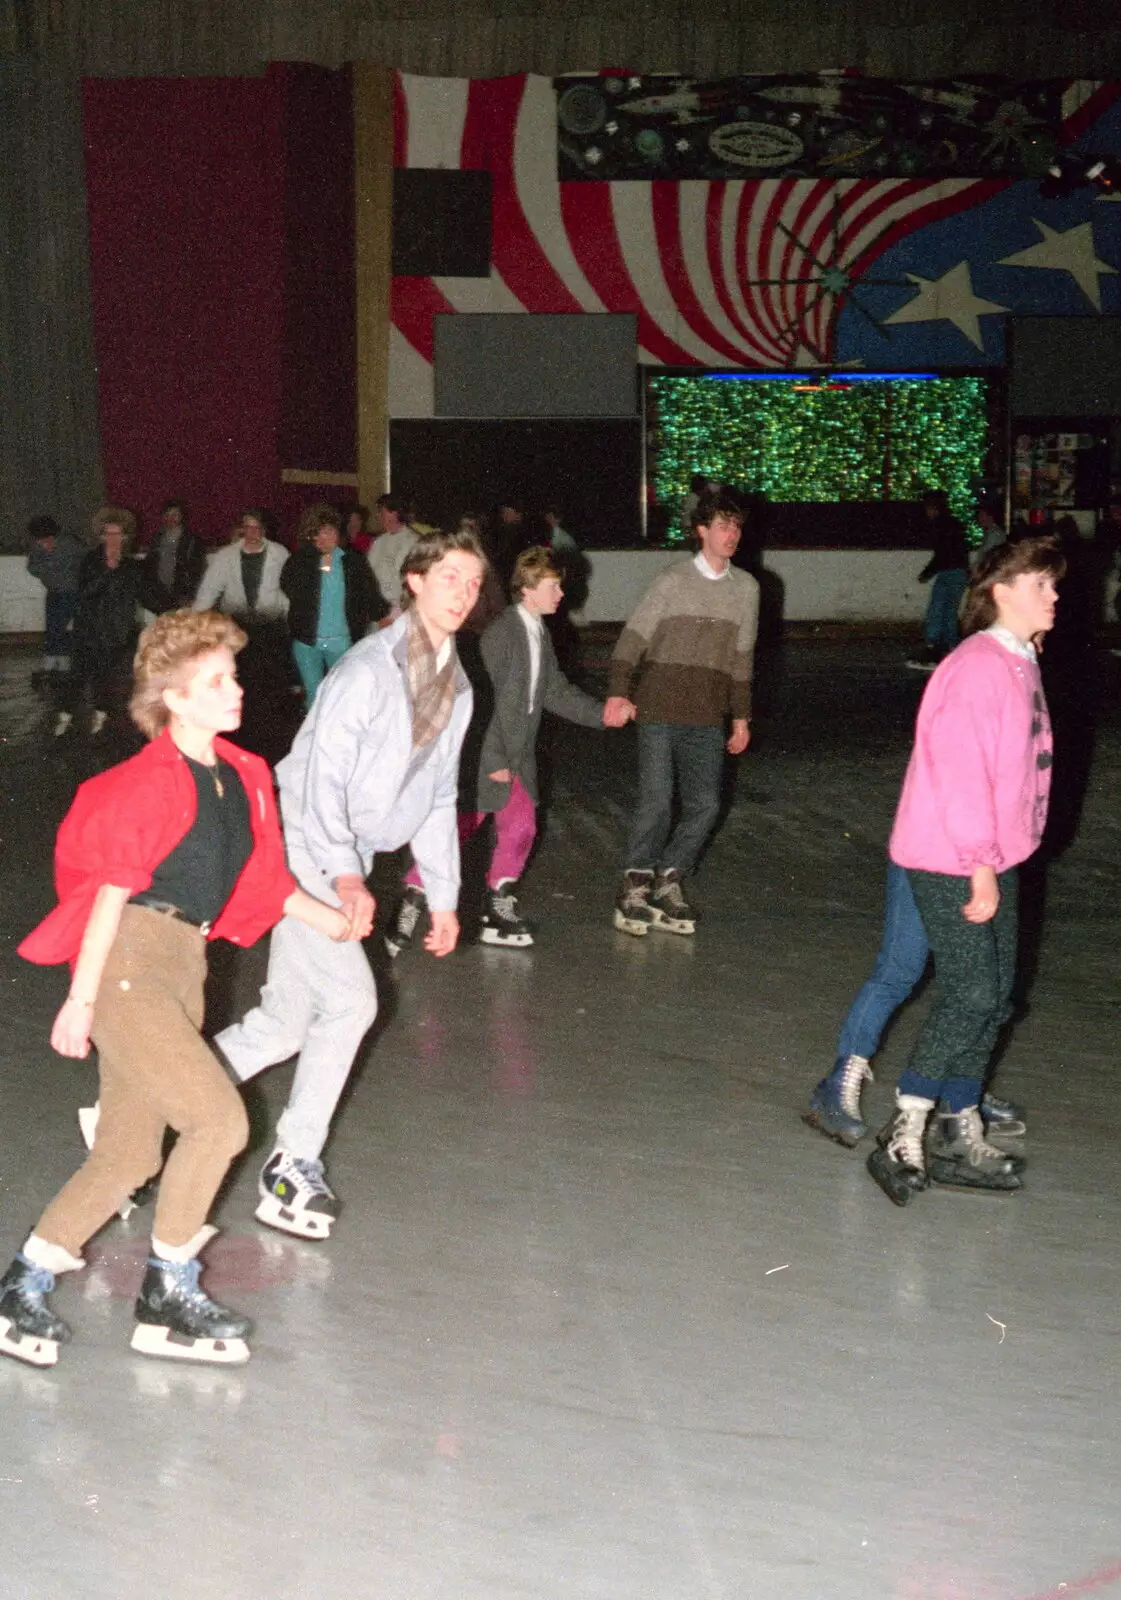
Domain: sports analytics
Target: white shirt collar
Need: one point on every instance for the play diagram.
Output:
(705, 570)
(443, 653)
(1010, 641)
(532, 622)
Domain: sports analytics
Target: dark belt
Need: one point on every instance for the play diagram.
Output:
(166, 909)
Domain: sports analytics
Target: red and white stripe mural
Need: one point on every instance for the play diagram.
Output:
(729, 273)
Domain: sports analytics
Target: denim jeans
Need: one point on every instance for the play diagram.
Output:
(899, 966)
(974, 970)
(941, 629)
(692, 759)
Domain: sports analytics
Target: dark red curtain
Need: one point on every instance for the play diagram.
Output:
(222, 248)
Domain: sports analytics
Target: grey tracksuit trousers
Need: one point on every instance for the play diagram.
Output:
(319, 1002)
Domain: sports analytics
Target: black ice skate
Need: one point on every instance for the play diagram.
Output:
(672, 912)
(501, 924)
(409, 915)
(296, 1198)
(29, 1329)
(960, 1157)
(176, 1319)
(898, 1163)
(633, 913)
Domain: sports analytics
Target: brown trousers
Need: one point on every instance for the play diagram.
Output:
(157, 1072)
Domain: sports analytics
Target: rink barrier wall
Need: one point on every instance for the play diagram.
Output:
(818, 586)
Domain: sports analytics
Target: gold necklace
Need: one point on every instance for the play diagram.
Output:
(218, 784)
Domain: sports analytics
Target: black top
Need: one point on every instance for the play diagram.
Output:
(199, 874)
(951, 552)
(300, 581)
(252, 567)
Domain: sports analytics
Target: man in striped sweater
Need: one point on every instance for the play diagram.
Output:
(683, 665)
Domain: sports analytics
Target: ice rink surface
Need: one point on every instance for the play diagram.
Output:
(601, 1320)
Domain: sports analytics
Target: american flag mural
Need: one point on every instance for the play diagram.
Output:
(767, 273)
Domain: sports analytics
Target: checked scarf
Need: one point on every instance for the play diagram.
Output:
(431, 688)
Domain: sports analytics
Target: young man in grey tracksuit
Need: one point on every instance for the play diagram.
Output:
(373, 767)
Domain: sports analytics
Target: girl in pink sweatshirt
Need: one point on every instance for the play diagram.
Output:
(973, 807)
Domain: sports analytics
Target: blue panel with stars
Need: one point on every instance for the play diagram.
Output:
(955, 279)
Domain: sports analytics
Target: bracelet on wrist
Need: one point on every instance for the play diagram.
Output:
(79, 1002)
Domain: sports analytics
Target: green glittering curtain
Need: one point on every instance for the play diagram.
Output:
(867, 441)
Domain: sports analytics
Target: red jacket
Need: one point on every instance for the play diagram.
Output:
(124, 822)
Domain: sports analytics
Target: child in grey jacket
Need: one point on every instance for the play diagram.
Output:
(373, 767)
(522, 680)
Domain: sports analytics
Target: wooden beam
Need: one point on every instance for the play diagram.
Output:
(373, 259)
(328, 480)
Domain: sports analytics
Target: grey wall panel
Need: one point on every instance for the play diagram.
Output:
(511, 365)
(1065, 366)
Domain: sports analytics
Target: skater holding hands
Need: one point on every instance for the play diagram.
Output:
(973, 807)
(157, 855)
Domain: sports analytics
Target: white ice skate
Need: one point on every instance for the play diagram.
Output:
(296, 1198)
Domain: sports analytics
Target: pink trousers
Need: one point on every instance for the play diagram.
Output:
(515, 829)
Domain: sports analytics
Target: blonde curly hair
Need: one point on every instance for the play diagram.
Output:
(114, 517)
(167, 648)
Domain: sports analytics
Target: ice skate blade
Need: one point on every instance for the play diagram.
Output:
(891, 1180)
(304, 1224)
(28, 1347)
(509, 941)
(665, 924)
(630, 925)
(970, 1183)
(151, 1339)
(847, 1140)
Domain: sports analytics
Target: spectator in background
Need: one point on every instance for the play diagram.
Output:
(111, 591)
(560, 540)
(992, 534)
(390, 549)
(175, 562)
(504, 538)
(243, 579)
(356, 528)
(55, 558)
(949, 568)
(332, 596)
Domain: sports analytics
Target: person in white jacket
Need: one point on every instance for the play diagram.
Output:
(243, 579)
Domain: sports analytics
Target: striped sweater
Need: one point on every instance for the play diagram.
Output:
(689, 648)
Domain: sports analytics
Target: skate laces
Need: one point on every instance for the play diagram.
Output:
(670, 893)
(853, 1074)
(978, 1148)
(505, 907)
(636, 892)
(309, 1178)
(905, 1144)
(35, 1283)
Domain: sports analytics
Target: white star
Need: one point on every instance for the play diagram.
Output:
(1071, 251)
(949, 298)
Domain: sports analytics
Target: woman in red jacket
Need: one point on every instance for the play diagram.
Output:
(177, 845)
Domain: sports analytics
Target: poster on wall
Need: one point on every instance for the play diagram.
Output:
(824, 125)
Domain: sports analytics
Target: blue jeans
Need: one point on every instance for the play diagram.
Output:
(899, 966)
(314, 661)
(941, 629)
(692, 759)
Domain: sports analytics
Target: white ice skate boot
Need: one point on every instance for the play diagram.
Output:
(296, 1198)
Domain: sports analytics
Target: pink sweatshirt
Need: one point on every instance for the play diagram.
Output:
(976, 789)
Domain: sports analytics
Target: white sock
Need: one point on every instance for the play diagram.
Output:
(42, 1253)
(180, 1253)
